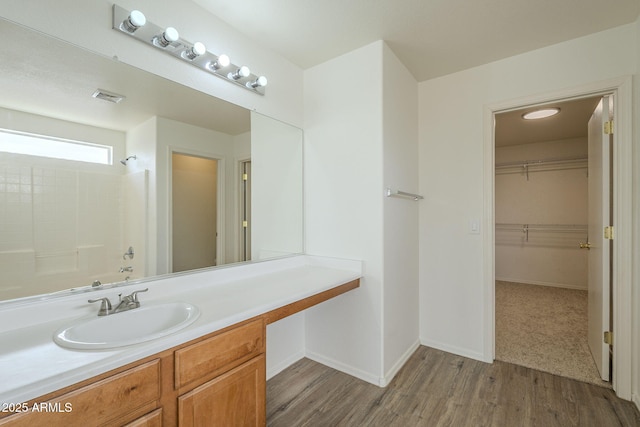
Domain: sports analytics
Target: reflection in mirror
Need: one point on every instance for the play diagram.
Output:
(69, 223)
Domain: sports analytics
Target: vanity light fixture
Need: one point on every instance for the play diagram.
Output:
(240, 73)
(223, 61)
(135, 25)
(259, 82)
(168, 36)
(196, 50)
(135, 20)
(541, 113)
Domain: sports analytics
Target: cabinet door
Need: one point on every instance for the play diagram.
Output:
(237, 398)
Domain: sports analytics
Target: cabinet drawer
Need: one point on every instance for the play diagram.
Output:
(153, 419)
(113, 400)
(213, 356)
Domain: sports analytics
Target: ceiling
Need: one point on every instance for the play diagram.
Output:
(571, 122)
(431, 37)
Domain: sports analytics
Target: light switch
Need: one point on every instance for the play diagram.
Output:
(474, 227)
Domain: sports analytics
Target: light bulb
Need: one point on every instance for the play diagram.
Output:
(259, 82)
(135, 20)
(223, 61)
(169, 36)
(240, 73)
(197, 50)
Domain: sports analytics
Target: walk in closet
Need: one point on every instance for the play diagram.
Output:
(541, 221)
(541, 213)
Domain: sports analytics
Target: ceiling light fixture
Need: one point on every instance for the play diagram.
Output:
(135, 25)
(541, 113)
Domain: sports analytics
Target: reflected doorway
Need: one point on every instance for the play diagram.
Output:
(194, 212)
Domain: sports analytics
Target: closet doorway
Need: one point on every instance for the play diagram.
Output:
(194, 195)
(543, 303)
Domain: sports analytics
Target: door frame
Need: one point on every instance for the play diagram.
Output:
(622, 267)
(220, 241)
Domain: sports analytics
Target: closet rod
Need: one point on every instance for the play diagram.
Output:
(397, 193)
(540, 165)
(548, 228)
(555, 161)
(563, 228)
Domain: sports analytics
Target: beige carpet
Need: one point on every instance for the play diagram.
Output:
(544, 328)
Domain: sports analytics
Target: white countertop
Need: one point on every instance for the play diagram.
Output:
(32, 365)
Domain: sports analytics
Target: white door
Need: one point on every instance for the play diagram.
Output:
(599, 252)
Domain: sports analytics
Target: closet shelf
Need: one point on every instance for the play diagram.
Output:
(526, 166)
(580, 229)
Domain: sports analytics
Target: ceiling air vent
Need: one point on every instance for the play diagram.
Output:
(108, 96)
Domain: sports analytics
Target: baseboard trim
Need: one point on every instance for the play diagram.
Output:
(343, 367)
(399, 364)
(275, 370)
(549, 284)
(464, 352)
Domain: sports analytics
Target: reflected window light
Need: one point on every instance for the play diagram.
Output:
(56, 148)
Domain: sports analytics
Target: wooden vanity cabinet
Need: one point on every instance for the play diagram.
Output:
(153, 419)
(222, 380)
(236, 398)
(216, 380)
(111, 401)
(221, 377)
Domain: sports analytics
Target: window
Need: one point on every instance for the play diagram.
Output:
(57, 148)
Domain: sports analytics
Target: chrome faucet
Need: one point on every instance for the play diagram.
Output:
(128, 302)
(123, 269)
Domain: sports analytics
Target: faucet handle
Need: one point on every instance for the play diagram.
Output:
(105, 307)
(134, 295)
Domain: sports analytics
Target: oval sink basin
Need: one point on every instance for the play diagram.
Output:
(129, 327)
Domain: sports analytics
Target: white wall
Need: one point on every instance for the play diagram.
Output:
(141, 142)
(188, 139)
(343, 207)
(276, 188)
(400, 158)
(453, 313)
(361, 136)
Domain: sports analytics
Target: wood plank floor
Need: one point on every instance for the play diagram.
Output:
(435, 388)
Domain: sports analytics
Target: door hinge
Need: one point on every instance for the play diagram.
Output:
(608, 337)
(245, 224)
(608, 127)
(608, 232)
(245, 177)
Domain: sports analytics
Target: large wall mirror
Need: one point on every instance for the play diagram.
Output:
(166, 180)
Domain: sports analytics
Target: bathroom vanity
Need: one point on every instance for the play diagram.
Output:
(214, 369)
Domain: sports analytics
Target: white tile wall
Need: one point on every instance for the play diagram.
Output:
(61, 228)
